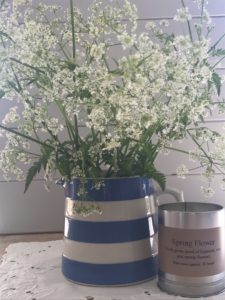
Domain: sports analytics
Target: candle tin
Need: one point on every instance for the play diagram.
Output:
(191, 249)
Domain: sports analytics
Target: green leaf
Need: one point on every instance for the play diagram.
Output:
(158, 177)
(218, 52)
(2, 94)
(142, 61)
(217, 81)
(71, 65)
(2, 3)
(32, 172)
(85, 94)
(63, 165)
(13, 85)
(116, 72)
(5, 35)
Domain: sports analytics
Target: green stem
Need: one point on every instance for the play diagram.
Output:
(26, 136)
(177, 150)
(217, 102)
(76, 131)
(28, 152)
(216, 43)
(219, 170)
(219, 61)
(17, 80)
(59, 43)
(106, 63)
(32, 106)
(200, 147)
(73, 28)
(5, 35)
(69, 126)
(26, 65)
(202, 10)
(188, 23)
(2, 3)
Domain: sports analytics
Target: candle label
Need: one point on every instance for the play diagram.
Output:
(191, 252)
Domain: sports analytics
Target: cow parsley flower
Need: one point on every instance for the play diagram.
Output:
(183, 15)
(208, 192)
(97, 51)
(126, 40)
(85, 112)
(182, 171)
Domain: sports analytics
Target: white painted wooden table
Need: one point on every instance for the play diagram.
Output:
(32, 271)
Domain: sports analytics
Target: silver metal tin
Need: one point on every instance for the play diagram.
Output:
(192, 249)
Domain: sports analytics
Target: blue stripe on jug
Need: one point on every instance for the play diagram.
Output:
(112, 189)
(109, 274)
(106, 232)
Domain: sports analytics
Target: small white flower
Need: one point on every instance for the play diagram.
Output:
(97, 51)
(150, 25)
(200, 2)
(206, 17)
(208, 192)
(182, 41)
(182, 171)
(183, 15)
(11, 117)
(112, 144)
(126, 40)
(164, 23)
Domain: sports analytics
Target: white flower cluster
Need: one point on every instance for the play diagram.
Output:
(183, 15)
(133, 107)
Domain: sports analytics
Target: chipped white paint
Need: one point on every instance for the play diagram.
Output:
(33, 271)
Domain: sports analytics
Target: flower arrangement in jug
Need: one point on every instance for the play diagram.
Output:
(99, 98)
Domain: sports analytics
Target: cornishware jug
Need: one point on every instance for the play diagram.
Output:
(116, 243)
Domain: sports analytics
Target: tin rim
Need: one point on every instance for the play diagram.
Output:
(191, 207)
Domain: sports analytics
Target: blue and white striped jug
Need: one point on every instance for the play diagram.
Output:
(119, 245)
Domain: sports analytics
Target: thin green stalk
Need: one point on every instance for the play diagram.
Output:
(17, 80)
(219, 169)
(196, 168)
(59, 43)
(126, 148)
(69, 126)
(219, 61)
(26, 136)
(217, 102)
(202, 10)
(73, 28)
(188, 23)
(26, 65)
(177, 150)
(216, 43)
(5, 35)
(32, 106)
(106, 63)
(2, 3)
(76, 131)
(31, 153)
(200, 147)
